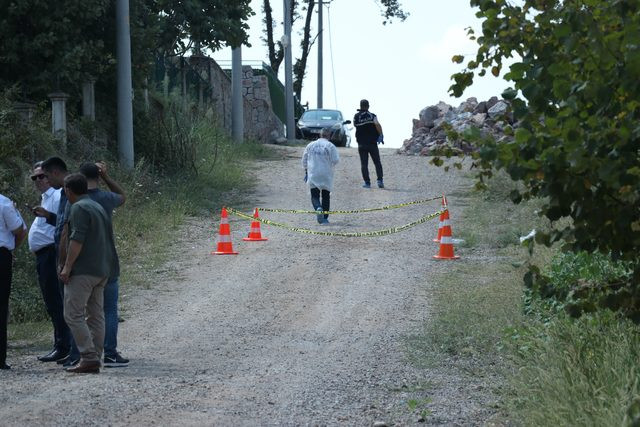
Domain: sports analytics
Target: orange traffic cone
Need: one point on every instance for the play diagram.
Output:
(446, 242)
(254, 234)
(444, 219)
(225, 247)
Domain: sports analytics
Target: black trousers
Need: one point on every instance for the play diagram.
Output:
(52, 296)
(324, 204)
(366, 150)
(6, 271)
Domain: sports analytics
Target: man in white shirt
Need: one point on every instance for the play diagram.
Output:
(12, 233)
(41, 243)
(318, 160)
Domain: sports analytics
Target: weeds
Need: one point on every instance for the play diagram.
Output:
(557, 370)
(162, 190)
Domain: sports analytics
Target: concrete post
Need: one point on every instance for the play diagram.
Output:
(288, 73)
(89, 100)
(59, 116)
(26, 109)
(125, 89)
(237, 113)
(320, 53)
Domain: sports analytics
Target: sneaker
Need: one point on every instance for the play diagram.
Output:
(320, 216)
(116, 361)
(70, 362)
(325, 221)
(380, 184)
(366, 185)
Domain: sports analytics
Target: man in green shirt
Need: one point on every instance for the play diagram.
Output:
(90, 261)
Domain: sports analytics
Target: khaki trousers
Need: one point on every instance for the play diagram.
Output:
(83, 312)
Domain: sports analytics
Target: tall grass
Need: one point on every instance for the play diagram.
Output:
(575, 372)
(161, 193)
(549, 368)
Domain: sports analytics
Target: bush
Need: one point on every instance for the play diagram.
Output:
(584, 282)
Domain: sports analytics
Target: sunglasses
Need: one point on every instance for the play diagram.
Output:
(39, 176)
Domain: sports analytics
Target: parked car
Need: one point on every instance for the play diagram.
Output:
(312, 121)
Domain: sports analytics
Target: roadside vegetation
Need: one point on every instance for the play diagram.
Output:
(563, 348)
(543, 366)
(171, 182)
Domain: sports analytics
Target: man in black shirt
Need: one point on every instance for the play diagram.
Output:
(368, 135)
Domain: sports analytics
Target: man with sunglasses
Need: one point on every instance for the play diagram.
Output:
(41, 243)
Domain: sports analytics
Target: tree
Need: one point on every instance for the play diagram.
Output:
(390, 9)
(198, 24)
(575, 95)
(44, 44)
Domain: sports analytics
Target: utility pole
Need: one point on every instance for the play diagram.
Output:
(319, 53)
(125, 107)
(288, 72)
(237, 112)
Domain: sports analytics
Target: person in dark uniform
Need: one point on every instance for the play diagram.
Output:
(368, 135)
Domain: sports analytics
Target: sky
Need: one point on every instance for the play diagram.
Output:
(400, 68)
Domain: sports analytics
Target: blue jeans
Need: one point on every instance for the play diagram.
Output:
(325, 204)
(110, 307)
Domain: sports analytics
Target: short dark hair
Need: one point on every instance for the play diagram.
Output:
(77, 183)
(364, 103)
(89, 170)
(54, 163)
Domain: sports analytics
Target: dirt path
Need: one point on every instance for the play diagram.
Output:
(297, 330)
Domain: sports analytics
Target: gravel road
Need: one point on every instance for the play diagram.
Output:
(297, 330)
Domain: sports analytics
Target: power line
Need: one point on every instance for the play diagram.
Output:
(333, 73)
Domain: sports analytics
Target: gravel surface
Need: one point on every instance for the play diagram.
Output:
(297, 330)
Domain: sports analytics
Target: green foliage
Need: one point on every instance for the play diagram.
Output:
(159, 196)
(201, 23)
(45, 46)
(575, 97)
(575, 372)
(44, 42)
(584, 282)
(22, 142)
(174, 135)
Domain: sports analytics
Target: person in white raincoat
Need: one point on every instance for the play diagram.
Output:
(319, 159)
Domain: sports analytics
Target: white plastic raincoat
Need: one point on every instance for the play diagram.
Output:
(319, 159)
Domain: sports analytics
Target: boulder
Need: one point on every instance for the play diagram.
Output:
(498, 110)
(428, 115)
(429, 135)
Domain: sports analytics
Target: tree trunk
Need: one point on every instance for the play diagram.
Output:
(300, 67)
(276, 55)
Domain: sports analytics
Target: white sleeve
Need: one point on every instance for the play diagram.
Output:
(12, 218)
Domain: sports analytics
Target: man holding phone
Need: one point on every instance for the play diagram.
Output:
(41, 243)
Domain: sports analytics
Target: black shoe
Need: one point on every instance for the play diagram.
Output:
(116, 361)
(53, 356)
(4, 366)
(69, 362)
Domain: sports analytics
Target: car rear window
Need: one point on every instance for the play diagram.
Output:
(321, 115)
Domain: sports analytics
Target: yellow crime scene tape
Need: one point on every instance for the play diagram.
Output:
(384, 232)
(383, 208)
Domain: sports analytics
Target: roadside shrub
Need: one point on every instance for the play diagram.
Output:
(584, 282)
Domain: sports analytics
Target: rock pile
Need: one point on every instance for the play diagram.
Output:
(429, 134)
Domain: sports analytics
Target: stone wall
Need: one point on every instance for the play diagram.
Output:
(260, 122)
(259, 117)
